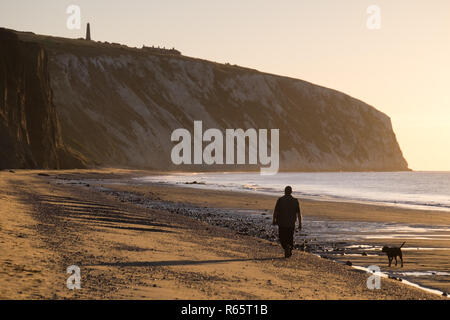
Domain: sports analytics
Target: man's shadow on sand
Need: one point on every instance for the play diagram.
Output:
(176, 262)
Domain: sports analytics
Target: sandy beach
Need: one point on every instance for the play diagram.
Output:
(134, 241)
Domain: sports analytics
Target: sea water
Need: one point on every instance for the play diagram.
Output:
(417, 190)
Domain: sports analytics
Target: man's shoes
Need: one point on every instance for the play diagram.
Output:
(288, 252)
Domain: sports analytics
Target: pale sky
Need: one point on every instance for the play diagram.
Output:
(402, 69)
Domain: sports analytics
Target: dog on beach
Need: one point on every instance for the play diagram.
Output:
(393, 253)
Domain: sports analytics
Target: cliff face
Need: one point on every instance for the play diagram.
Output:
(118, 107)
(29, 130)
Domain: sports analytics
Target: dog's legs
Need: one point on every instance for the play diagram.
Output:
(401, 259)
(395, 260)
(390, 261)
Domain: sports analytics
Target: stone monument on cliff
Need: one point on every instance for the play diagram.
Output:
(88, 32)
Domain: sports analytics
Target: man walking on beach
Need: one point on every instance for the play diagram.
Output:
(286, 212)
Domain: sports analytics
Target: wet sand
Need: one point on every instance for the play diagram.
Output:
(128, 251)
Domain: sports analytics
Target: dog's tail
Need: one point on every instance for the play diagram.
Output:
(402, 244)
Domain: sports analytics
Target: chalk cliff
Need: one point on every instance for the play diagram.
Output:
(99, 104)
(29, 128)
